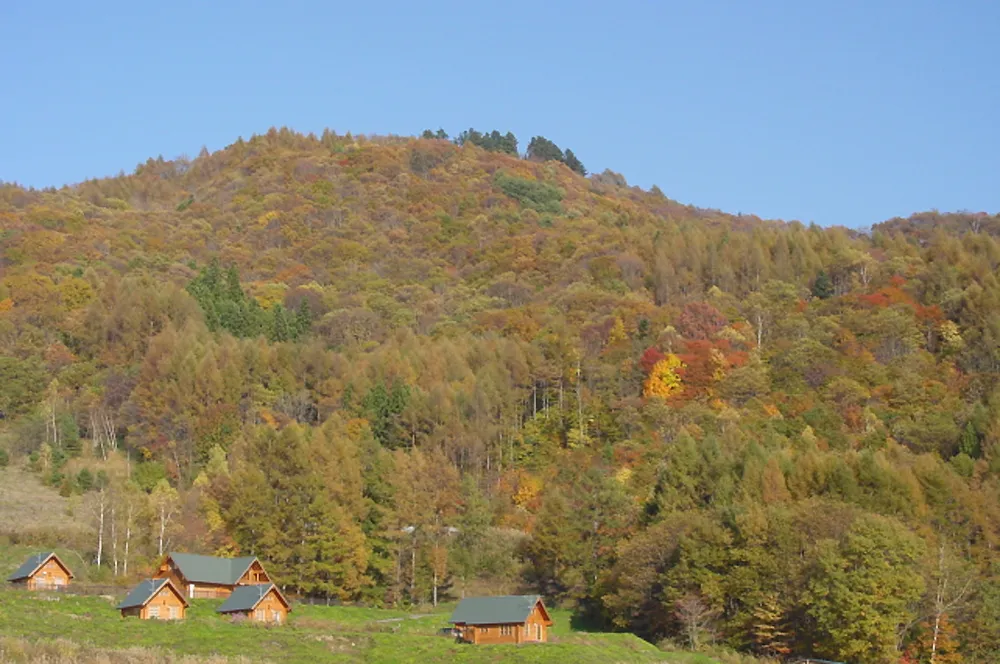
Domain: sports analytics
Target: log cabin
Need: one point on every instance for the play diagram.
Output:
(210, 577)
(507, 619)
(154, 599)
(42, 571)
(261, 603)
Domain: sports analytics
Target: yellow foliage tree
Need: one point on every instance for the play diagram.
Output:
(663, 380)
(617, 333)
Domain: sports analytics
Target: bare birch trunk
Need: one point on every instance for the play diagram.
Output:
(100, 526)
(163, 529)
(114, 536)
(128, 537)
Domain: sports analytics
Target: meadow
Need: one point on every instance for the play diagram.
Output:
(54, 627)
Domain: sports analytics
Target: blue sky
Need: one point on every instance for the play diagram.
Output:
(834, 111)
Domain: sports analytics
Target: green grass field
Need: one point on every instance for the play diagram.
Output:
(313, 634)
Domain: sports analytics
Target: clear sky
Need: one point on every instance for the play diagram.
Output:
(833, 111)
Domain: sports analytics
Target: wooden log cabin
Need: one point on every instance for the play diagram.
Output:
(262, 603)
(199, 576)
(154, 599)
(507, 619)
(42, 571)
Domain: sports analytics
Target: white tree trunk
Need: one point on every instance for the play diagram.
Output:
(934, 641)
(128, 537)
(100, 526)
(110, 431)
(163, 529)
(114, 536)
(97, 434)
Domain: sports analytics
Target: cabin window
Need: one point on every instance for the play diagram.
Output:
(260, 615)
(173, 612)
(154, 612)
(486, 630)
(506, 630)
(275, 616)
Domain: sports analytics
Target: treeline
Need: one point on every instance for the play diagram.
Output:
(539, 149)
(398, 369)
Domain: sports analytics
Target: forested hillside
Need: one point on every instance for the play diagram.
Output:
(405, 368)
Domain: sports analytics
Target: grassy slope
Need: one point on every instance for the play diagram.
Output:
(27, 505)
(313, 634)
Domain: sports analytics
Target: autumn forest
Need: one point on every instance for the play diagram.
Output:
(403, 369)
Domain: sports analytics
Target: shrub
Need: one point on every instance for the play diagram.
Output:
(532, 194)
(85, 480)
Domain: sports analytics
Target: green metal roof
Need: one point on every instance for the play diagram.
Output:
(144, 592)
(209, 569)
(30, 566)
(494, 610)
(245, 598)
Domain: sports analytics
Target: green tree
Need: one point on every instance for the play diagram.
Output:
(574, 163)
(384, 408)
(822, 286)
(863, 590)
(969, 443)
(542, 149)
(84, 480)
(22, 384)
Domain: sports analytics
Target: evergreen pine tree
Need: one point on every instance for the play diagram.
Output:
(574, 163)
(822, 287)
(969, 443)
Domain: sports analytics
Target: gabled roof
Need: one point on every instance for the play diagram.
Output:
(145, 591)
(31, 565)
(496, 610)
(246, 598)
(209, 569)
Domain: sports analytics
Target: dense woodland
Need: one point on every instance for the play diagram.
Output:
(400, 369)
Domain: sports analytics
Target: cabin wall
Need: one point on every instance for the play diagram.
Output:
(134, 612)
(254, 575)
(165, 605)
(50, 575)
(481, 634)
(270, 610)
(534, 628)
(207, 591)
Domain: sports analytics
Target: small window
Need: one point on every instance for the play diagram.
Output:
(154, 612)
(506, 630)
(275, 616)
(260, 615)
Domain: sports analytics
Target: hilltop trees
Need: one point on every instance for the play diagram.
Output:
(542, 149)
(539, 149)
(494, 141)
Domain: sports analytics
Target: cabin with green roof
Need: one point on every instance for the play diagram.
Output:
(154, 599)
(198, 576)
(42, 571)
(262, 603)
(506, 619)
